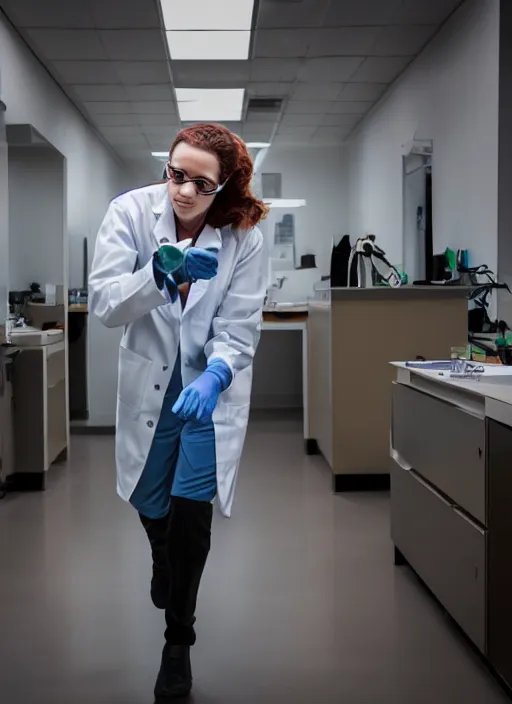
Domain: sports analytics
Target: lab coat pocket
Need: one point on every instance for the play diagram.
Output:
(230, 421)
(132, 379)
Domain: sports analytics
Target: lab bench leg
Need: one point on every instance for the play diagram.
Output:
(311, 447)
(399, 558)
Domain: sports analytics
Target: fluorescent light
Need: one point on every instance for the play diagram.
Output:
(203, 46)
(210, 105)
(205, 14)
(257, 145)
(285, 202)
(160, 155)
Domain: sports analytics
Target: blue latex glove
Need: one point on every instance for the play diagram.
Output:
(197, 264)
(198, 400)
(164, 278)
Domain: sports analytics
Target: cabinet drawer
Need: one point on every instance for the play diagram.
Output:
(444, 444)
(56, 368)
(444, 547)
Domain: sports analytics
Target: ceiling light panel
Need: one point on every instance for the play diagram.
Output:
(209, 45)
(236, 15)
(217, 105)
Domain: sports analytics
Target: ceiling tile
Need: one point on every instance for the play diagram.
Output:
(249, 136)
(159, 91)
(380, 70)
(311, 107)
(121, 14)
(51, 13)
(402, 41)
(98, 93)
(156, 132)
(349, 108)
(87, 72)
(261, 116)
(340, 120)
(300, 120)
(140, 72)
(121, 131)
(157, 120)
(340, 69)
(282, 43)
(133, 141)
(362, 91)
(307, 13)
(105, 107)
(363, 12)
(68, 44)
(134, 44)
(275, 69)
(264, 127)
(317, 91)
(114, 120)
(431, 12)
(270, 90)
(158, 107)
(302, 132)
(343, 41)
(200, 74)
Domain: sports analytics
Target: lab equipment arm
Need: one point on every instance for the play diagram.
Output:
(236, 327)
(118, 294)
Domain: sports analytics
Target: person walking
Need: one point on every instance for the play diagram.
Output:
(182, 267)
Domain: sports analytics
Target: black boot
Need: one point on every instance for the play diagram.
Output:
(157, 531)
(188, 547)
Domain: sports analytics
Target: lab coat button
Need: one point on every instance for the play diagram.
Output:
(150, 424)
(165, 368)
(157, 387)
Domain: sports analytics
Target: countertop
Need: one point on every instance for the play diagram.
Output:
(386, 293)
(483, 398)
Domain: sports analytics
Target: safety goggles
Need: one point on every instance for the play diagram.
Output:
(203, 187)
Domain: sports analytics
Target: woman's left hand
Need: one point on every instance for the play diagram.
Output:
(198, 400)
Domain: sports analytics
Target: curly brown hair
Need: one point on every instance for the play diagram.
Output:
(235, 205)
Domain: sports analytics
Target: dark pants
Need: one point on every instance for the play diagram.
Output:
(181, 544)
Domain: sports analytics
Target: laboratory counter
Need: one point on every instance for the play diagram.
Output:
(451, 497)
(353, 335)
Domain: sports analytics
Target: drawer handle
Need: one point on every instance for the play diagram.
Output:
(480, 453)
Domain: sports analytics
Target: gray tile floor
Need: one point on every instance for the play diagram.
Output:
(300, 602)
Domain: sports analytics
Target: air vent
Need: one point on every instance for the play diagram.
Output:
(266, 104)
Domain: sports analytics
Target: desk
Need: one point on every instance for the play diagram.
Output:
(278, 325)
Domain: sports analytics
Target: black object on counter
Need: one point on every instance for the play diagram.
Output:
(339, 265)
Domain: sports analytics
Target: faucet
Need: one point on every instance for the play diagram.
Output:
(276, 286)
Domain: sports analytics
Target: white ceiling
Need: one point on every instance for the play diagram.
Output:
(329, 60)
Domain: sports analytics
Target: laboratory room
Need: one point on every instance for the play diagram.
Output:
(255, 354)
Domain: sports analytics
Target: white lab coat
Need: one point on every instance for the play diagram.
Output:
(222, 319)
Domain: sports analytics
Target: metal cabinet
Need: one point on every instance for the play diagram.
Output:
(444, 547)
(41, 427)
(443, 444)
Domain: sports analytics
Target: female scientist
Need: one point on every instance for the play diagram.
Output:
(181, 266)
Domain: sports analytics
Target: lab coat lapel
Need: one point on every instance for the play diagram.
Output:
(209, 238)
(165, 229)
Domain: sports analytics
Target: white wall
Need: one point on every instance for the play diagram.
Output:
(36, 202)
(449, 94)
(4, 219)
(319, 175)
(93, 177)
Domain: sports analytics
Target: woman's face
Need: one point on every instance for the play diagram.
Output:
(192, 163)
